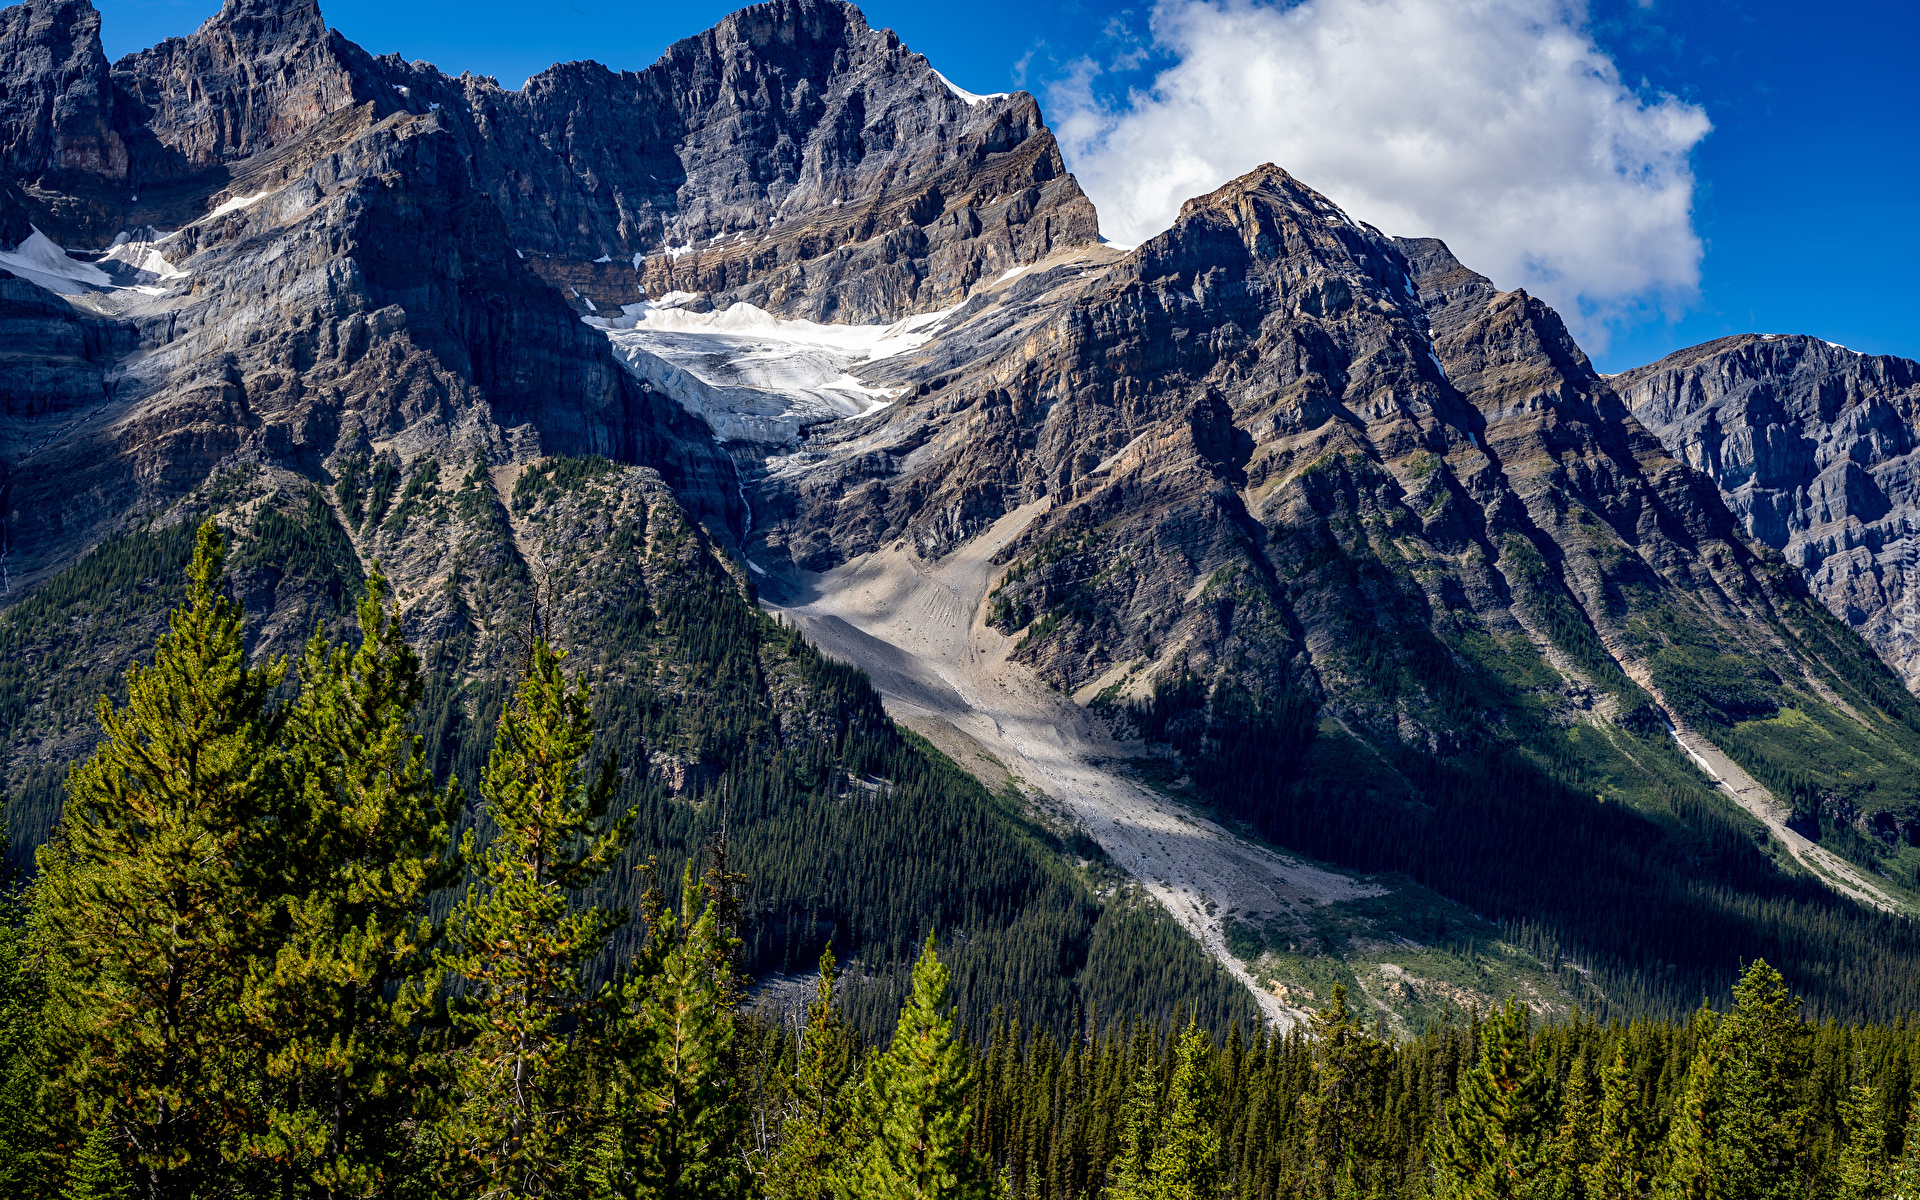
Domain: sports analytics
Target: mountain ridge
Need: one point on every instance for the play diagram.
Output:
(1326, 536)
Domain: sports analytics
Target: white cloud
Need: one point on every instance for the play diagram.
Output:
(1498, 125)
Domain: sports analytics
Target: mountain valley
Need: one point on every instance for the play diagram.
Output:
(1271, 605)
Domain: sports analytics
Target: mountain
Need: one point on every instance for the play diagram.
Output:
(1274, 602)
(1812, 444)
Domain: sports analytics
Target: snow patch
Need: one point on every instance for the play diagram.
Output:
(754, 376)
(138, 252)
(604, 258)
(969, 98)
(1013, 272)
(40, 260)
(638, 258)
(237, 203)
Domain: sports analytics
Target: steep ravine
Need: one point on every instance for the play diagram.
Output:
(918, 628)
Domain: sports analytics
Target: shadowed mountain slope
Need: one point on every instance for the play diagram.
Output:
(1274, 517)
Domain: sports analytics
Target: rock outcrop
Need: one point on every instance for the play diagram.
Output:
(1814, 446)
(1272, 471)
(56, 112)
(792, 157)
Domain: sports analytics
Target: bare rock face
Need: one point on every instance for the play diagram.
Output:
(1813, 445)
(791, 157)
(258, 74)
(56, 112)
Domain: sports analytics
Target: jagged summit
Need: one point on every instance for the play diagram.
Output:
(1815, 447)
(1361, 541)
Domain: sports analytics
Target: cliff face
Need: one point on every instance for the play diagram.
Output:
(1813, 446)
(791, 157)
(317, 277)
(1272, 470)
(56, 115)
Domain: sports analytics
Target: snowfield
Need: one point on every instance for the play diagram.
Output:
(753, 376)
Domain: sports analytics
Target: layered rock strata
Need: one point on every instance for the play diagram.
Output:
(1814, 446)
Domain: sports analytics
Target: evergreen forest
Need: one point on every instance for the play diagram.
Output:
(267, 953)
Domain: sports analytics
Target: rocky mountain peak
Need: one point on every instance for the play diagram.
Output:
(56, 105)
(256, 75)
(1814, 446)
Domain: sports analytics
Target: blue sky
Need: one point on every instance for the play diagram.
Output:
(1798, 212)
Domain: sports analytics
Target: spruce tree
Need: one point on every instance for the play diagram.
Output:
(677, 1122)
(915, 1105)
(1128, 1174)
(367, 840)
(520, 944)
(1575, 1148)
(817, 1136)
(1903, 1181)
(1491, 1147)
(159, 887)
(1622, 1167)
(1740, 1126)
(1863, 1160)
(1185, 1164)
(1343, 1077)
(23, 1060)
(96, 1172)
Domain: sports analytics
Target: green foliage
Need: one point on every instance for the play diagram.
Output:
(96, 1172)
(518, 940)
(23, 1062)
(811, 1162)
(1863, 1163)
(1740, 1124)
(419, 497)
(554, 477)
(915, 1122)
(65, 645)
(1347, 1072)
(1185, 1163)
(1622, 1165)
(310, 547)
(1903, 1181)
(675, 1126)
(365, 844)
(159, 883)
(1497, 1127)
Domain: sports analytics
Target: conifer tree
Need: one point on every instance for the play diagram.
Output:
(818, 1134)
(1342, 1085)
(1739, 1128)
(1622, 1168)
(1128, 1175)
(1903, 1181)
(521, 945)
(1863, 1160)
(160, 885)
(22, 1052)
(915, 1105)
(368, 841)
(677, 1121)
(1186, 1155)
(1491, 1147)
(1575, 1147)
(96, 1172)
